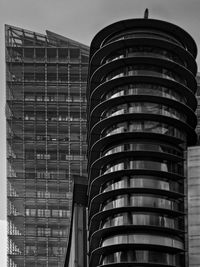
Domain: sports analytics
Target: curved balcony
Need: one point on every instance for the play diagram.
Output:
(174, 31)
(144, 86)
(153, 67)
(164, 244)
(161, 226)
(97, 182)
(136, 197)
(141, 257)
(98, 217)
(129, 104)
(153, 47)
(140, 122)
(136, 159)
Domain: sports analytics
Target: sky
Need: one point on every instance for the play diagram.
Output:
(79, 20)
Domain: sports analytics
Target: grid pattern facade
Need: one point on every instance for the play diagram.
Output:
(46, 128)
(198, 107)
(193, 168)
(141, 117)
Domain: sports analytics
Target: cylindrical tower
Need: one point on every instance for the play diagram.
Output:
(141, 105)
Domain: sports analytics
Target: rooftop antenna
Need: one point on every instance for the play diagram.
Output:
(146, 13)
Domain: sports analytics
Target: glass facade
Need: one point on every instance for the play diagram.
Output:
(144, 50)
(143, 32)
(142, 239)
(144, 126)
(193, 167)
(146, 146)
(141, 256)
(148, 70)
(143, 107)
(134, 200)
(140, 121)
(138, 181)
(46, 142)
(144, 89)
(148, 219)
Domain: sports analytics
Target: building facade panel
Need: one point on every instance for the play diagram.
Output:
(46, 142)
(198, 107)
(193, 168)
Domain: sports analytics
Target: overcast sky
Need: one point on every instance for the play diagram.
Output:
(81, 20)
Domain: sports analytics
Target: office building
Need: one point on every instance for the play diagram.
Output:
(193, 169)
(198, 107)
(46, 128)
(141, 118)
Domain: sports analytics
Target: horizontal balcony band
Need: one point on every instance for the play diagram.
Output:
(96, 202)
(106, 123)
(113, 102)
(97, 236)
(106, 141)
(95, 184)
(97, 253)
(97, 165)
(100, 73)
(153, 42)
(149, 25)
(136, 264)
(101, 89)
(95, 220)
